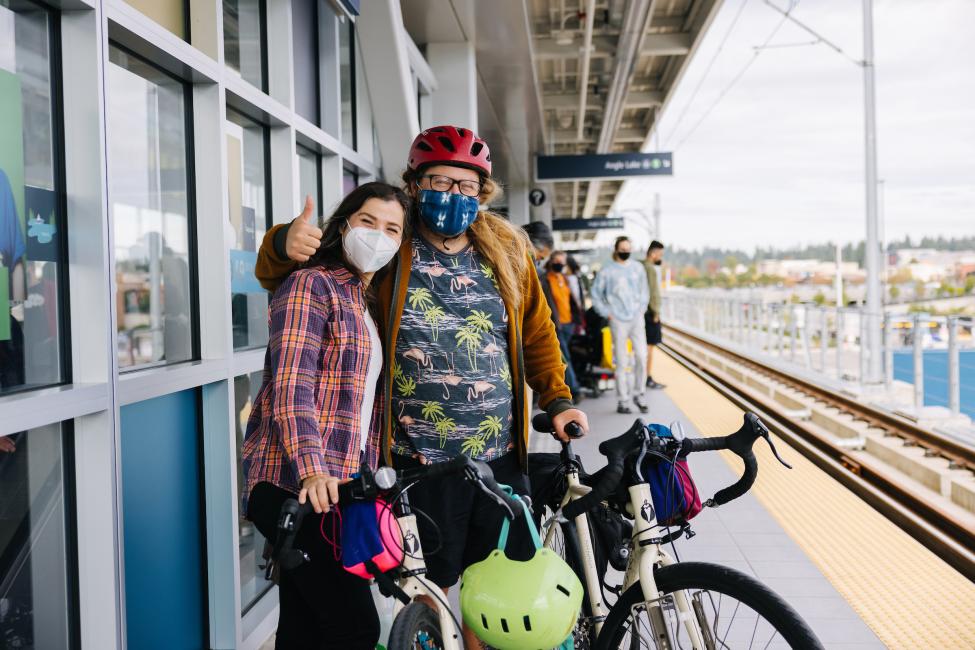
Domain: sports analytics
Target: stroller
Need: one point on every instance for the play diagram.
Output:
(588, 355)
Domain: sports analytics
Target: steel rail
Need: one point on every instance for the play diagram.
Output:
(938, 530)
(959, 454)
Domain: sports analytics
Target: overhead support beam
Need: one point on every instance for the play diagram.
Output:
(584, 77)
(546, 49)
(568, 136)
(571, 100)
(636, 23)
(648, 99)
(673, 44)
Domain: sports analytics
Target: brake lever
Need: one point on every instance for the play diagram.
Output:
(768, 439)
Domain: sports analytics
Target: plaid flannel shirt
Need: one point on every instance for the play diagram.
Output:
(306, 418)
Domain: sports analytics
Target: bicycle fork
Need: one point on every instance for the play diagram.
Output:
(411, 581)
(647, 554)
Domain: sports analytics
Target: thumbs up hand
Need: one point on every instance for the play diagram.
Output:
(304, 235)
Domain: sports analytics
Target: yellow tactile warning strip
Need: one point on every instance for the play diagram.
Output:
(908, 596)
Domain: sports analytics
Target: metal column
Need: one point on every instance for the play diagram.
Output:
(864, 370)
(823, 338)
(874, 305)
(888, 351)
(918, 363)
(781, 313)
(954, 385)
(839, 343)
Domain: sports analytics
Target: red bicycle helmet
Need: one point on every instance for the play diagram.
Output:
(450, 145)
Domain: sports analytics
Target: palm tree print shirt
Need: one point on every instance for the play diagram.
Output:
(451, 381)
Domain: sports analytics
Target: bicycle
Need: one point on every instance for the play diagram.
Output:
(416, 625)
(661, 603)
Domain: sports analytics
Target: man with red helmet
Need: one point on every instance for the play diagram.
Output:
(465, 327)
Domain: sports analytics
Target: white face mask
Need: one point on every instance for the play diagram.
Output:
(367, 249)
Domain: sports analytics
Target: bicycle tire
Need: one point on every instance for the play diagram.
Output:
(413, 620)
(698, 577)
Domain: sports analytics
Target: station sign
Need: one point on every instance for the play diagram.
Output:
(596, 166)
(596, 223)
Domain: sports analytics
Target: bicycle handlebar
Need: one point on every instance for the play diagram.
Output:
(740, 442)
(368, 486)
(638, 437)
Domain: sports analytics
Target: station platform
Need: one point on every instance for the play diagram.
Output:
(859, 580)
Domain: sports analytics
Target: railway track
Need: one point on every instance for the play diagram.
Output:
(944, 528)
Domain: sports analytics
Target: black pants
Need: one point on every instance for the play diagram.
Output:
(323, 606)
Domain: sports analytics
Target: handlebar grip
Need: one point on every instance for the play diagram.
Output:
(543, 423)
(691, 445)
(433, 470)
(744, 484)
(606, 484)
(451, 466)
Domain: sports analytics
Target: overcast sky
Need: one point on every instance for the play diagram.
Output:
(779, 160)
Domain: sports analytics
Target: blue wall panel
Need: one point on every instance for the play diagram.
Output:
(164, 557)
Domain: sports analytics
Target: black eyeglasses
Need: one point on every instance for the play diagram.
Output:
(446, 183)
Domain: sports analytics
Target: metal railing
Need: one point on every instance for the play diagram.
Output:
(829, 341)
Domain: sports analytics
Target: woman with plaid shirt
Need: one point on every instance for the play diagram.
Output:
(317, 417)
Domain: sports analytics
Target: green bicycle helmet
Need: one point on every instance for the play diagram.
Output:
(512, 605)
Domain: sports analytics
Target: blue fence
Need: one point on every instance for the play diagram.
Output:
(936, 377)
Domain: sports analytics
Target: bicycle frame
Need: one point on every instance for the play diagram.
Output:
(647, 553)
(412, 582)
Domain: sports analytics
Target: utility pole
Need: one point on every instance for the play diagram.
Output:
(874, 305)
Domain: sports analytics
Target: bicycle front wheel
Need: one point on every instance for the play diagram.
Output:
(733, 610)
(416, 627)
(563, 540)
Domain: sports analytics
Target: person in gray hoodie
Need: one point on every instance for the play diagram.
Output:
(620, 294)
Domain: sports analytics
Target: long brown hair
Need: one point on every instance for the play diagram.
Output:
(331, 253)
(503, 246)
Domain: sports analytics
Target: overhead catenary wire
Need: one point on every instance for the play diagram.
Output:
(757, 51)
(819, 37)
(707, 70)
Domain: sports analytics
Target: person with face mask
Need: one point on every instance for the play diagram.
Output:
(620, 293)
(651, 320)
(318, 415)
(465, 327)
(562, 312)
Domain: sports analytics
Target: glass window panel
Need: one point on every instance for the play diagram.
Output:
(347, 79)
(35, 602)
(304, 29)
(168, 13)
(350, 179)
(251, 546)
(310, 177)
(148, 181)
(243, 39)
(248, 186)
(30, 219)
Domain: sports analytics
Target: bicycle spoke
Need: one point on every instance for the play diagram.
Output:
(732, 625)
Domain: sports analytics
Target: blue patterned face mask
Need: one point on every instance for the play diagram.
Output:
(447, 214)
